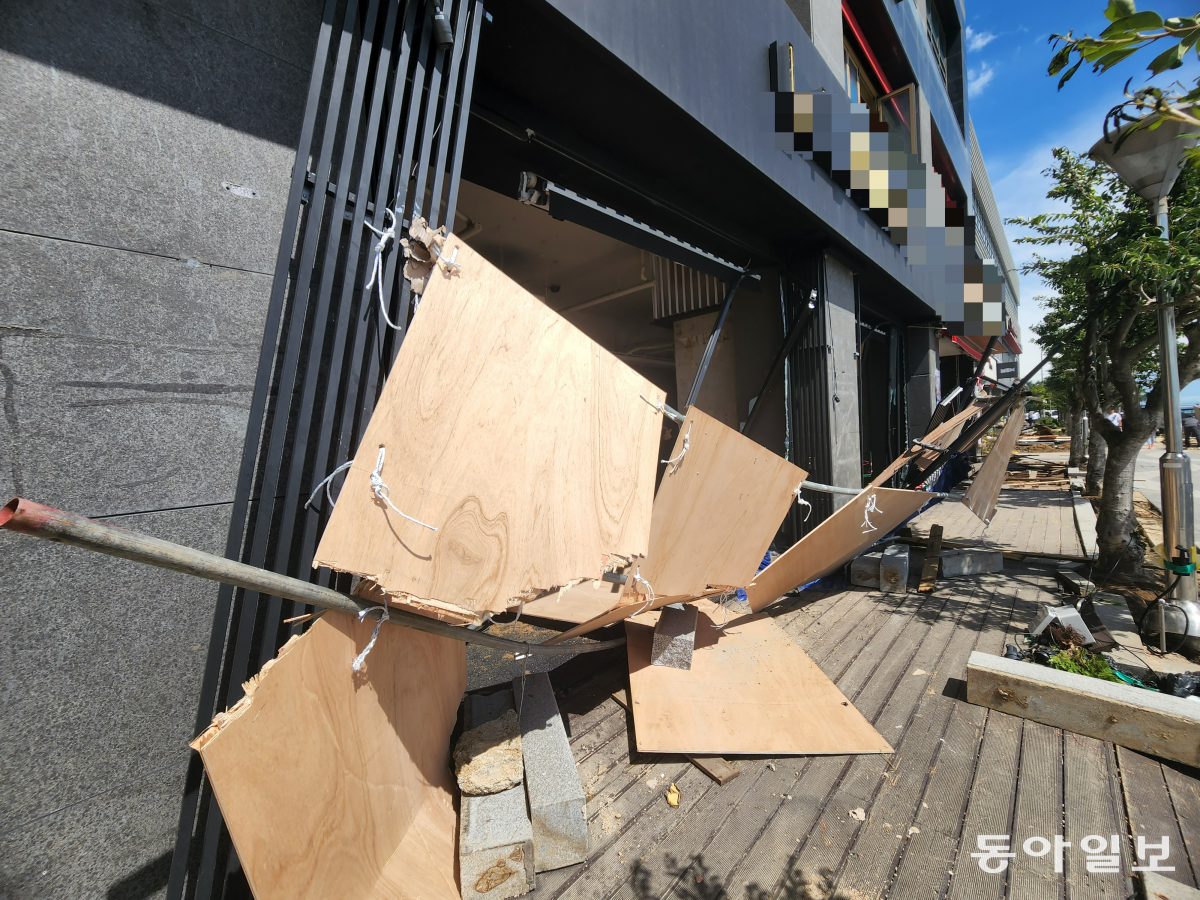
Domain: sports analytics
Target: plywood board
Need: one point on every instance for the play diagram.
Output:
(984, 492)
(718, 393)
(526, 444)
(335, 783)
(751, 690)
(631, 605)
(843, 536)
(940, 436)
(579, 603)
(716, 512)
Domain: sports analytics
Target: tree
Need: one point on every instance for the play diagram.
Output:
(1104, 315)
(1129, 32)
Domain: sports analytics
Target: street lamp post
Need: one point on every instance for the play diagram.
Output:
(1149, 161)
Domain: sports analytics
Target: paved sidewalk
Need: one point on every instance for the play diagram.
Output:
(1029, 521)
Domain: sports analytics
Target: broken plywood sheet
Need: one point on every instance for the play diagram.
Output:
(717, 510)
(984, 492)
(578, 603)
(335, 783)
(525, 443)
(941, 436)
(751, 690)
(843, 536)
(632, 605)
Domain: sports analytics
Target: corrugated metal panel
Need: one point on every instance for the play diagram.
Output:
(680, 289)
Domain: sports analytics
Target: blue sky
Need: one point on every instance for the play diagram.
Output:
(1020, 115)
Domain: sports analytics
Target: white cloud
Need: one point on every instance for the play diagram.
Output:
(977, 40)
(978, 79)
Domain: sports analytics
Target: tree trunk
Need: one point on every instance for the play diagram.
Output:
(1075, 429)
(1097, 455)
(1120, 551)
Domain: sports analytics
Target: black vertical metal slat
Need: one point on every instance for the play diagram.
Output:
(290, 498)
(241, 504)
(323, 350)
(460, 116)
(809, 371)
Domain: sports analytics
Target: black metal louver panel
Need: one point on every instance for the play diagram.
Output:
(808, 371)
(384, 128)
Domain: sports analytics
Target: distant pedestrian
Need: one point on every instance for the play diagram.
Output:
(1114, 417)
(1191, 430)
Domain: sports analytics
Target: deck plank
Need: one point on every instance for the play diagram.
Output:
(1093, 807)
(1183, 784)
(1150, 810)
(1038, 812)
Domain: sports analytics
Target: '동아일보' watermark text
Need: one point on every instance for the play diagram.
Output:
(1102, 853)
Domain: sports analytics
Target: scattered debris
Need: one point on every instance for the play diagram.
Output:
(858, 814)
(495, 845)
(933, 560)
(672, 795)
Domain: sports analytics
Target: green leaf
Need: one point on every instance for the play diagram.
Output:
(1119, 9)
(1171, 58)
(1108, 60)
(1067, 74)
(1060, 60)
(1137, 22)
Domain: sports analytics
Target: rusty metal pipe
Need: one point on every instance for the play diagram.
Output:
(27, 517)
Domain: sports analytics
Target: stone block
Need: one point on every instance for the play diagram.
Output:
(557, 806)
(674, 637)
(893, 569)
(480, 708)
(971, 562)
(495, 846)
(487, 759)
(864, 570)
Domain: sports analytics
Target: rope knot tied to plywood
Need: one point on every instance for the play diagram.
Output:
(382, 492)
(867, 510)
(802, 501)
(386, 236)
(676, 461)
(638, 579)
(383, 617)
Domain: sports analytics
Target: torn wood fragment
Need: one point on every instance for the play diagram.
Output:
(933, 559)
(530, 448)
(334, 783)
(984, 493)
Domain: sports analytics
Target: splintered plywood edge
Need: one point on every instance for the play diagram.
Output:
(578, 603)
(940, 436)
(984, 492)
(434, 609)
(717, 510)
(1141, 720)
(633, 605)
(334, 783)
(844, 535)
(751, 690)
(525, 443)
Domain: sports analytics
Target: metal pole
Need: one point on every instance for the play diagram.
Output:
(27, 517)
(1174, 467)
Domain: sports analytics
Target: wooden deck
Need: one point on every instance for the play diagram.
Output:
(1026, 521)
(784, 827)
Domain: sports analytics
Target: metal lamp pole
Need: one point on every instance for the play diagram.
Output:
(1174, 467)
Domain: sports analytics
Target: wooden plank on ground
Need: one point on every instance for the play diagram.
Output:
(1151, 814)
(1132, 717)
(1039, 812)
(1085, 523)
(1184, 788)
(933, 560)
(984, 492)
(751, 690)
(843, 536)
(631, 607)
(335, 783)
(525, 443)
(716, 510)
(716, 768)
(1092, 804)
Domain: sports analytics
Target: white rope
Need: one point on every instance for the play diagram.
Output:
(638, 579)
(381, 491)
(677, 461)
(803, 502)
(448, 263)
(657, 406)
(867, 510)
(520, 609)
(383, 617)
(388, 234)
(327, 483)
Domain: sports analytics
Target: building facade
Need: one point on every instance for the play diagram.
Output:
(189, 346)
